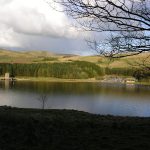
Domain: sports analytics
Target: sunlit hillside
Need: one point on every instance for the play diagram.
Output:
(7, 56)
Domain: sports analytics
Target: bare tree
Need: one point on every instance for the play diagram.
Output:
(144, 63)
(142, 67)
(43, 99)
(128, 19)
(123, 45)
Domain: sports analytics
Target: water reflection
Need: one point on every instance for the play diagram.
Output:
(96, 98)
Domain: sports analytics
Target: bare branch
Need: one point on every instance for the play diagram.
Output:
(128, 19)
(129, 15)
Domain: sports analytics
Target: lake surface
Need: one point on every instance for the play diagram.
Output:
(97, 98)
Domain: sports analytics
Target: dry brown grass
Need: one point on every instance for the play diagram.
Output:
(7, 56)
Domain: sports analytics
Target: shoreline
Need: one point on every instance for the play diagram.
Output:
(38, 79)
(38, 129)
(104, 80)
(40, 110)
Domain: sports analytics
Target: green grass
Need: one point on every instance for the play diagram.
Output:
(31, 129)
(50, 79)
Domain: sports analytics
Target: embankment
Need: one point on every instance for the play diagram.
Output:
(31, 129)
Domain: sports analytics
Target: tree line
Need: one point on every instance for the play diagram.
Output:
(68, 70)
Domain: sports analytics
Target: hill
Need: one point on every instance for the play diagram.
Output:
(8, 56)
(68, 66)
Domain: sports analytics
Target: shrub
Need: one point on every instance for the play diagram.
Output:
(141, 74)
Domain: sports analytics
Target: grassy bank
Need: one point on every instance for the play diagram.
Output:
(100, 79)
(49, 79)
(104, 79)
(30, 129)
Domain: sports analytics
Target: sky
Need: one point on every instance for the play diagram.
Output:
(34, 25)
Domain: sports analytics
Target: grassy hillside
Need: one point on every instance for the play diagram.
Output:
(71, 66)
(7, 56)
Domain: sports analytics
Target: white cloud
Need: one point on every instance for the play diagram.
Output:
(8, 38)
(34, 17)
(33, 24)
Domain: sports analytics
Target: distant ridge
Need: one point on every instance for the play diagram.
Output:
(36, 52)
(39, 56)
(30, 56)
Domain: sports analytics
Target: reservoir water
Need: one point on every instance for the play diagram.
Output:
(97, 98)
